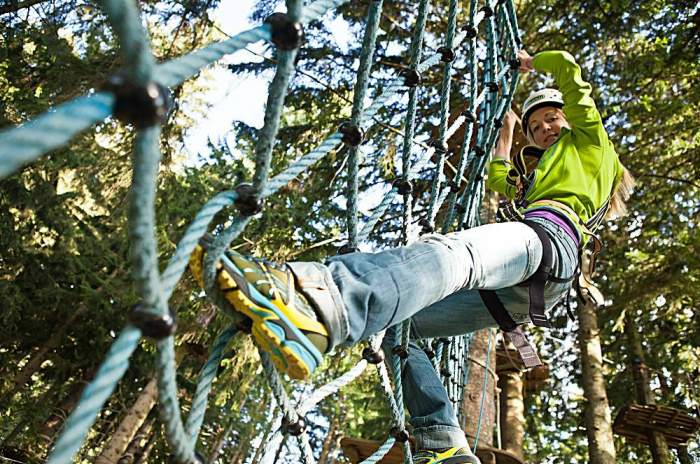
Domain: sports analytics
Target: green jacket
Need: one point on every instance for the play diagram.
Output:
(581, 168)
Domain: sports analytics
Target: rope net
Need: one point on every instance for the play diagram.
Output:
(139, 95)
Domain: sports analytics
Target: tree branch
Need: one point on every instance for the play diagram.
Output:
(15, 6)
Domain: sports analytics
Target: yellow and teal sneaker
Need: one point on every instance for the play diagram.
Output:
(454, 455)
(284, 324)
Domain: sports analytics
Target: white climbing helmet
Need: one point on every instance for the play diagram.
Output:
(538, 99)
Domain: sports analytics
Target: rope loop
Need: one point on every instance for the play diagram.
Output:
(287, 34)
(141, 106)
(248, 200)
(155, 326)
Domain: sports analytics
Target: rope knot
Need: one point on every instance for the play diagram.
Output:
(248, 201)
(411, 78)
(497, 123)
(447, 55)
(479, 151)
(514, 64)
(429, 352)
(352, 133)
(469, 116)
(155, 326)
(445, 372)
(493, 86)
(141, 105)
(371, 356)
(286, 34)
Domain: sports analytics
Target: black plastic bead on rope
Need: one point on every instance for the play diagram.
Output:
(487, 10)
(371, 356)
(352, 134)
(400, 435)
(400, 351)
(497, 123)
(411, 78)
(447, 55)
(454, 188)
(155, 326)
(347, 249)
(469, 116)
(286, 34)
(514, 63)
(440, 147)
(479, 151)
(446, 373)
(403, 186)
(429, 352)
(295, 428)
(493, 86)
(248, 200)
(470, 31)
(426, 228)
(141, 106)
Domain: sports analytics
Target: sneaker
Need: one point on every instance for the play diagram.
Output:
(284, 324)
(454, 455)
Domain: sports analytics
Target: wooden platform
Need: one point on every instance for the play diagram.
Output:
(357, 450)
(635, 421)
(502, 456)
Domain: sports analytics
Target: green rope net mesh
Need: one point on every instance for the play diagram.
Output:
(138, 95)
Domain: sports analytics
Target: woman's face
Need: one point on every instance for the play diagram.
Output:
(545, 125)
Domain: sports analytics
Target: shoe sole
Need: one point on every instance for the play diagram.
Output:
(289, 349)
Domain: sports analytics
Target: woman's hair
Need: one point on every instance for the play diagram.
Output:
(618, 208)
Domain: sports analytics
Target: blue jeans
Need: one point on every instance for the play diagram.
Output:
(434, 282)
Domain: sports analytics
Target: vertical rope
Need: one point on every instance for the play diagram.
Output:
(361, 85)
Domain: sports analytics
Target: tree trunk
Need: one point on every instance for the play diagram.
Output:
(659, 448)
(130, 424)
(221, 440)
(472, 406)
(328, 441)
(37, 359)
(56, 338)
(601, 449)
(136, 445)
(142, 457)
(512, 411)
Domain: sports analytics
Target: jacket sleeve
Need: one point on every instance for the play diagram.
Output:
(499, 179)
(579, 107)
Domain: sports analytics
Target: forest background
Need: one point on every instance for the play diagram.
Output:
(65, 282)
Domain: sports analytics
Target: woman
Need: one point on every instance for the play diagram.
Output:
(302, 310)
